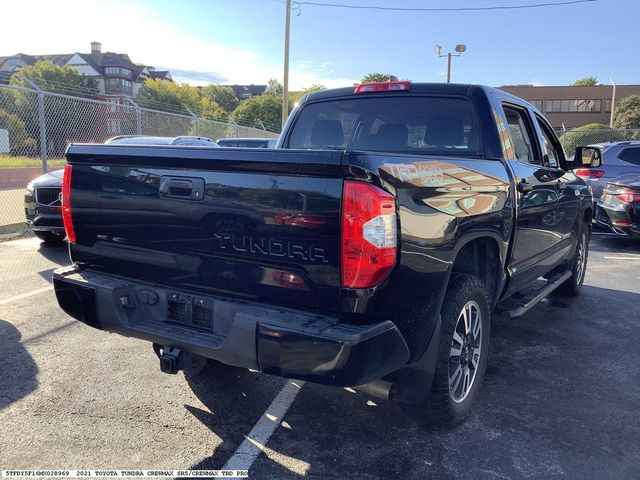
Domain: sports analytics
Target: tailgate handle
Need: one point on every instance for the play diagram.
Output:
(185, 188)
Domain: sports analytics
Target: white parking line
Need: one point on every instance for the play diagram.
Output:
(621, 258)
(24, 295)
(255, 442)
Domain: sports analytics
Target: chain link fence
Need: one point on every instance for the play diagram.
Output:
(36, 127)
(583, 136)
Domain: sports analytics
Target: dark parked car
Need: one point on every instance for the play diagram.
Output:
(248, 142)
(370, 250)
(42, 207)
(619, 206)
(42, 197)
(618, 159)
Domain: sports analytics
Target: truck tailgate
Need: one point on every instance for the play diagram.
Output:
(255, 224)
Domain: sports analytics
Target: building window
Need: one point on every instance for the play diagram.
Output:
(113, 126)
(113, 104)
(536, 103)
(121, 71)
(607, 105)
(583, 105)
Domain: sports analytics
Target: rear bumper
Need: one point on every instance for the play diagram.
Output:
(274, 340)
(617, 220)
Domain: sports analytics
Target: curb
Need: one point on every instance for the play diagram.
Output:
(13, 228)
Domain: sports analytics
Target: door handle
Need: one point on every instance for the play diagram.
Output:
(524, 186)
(185, 188)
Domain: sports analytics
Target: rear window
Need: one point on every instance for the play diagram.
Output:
(433, 125)
(630, 155)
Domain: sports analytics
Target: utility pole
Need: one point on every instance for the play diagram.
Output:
(285, 83)
(460, 49)
(613, 103)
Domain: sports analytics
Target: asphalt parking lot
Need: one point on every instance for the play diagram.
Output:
(561, 396)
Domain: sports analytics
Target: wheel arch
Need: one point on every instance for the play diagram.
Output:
(482, 255)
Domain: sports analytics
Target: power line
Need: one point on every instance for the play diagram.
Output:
(441, 9)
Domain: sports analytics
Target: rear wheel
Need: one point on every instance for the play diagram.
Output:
(464, 346)
(573, 285)
(50, 238)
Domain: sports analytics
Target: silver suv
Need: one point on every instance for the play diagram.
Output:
(618, 158)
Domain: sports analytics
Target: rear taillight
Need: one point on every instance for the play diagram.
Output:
(66, 205)
(369, 237)
(589, 173)
(628, 197)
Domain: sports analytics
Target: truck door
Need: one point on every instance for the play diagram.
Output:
(536, 237)
(567, 185)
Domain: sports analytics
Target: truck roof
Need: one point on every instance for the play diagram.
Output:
(464, 89)
(433, 88)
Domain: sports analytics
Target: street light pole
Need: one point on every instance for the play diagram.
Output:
(285, 83)
(460, 49)
(613, 103)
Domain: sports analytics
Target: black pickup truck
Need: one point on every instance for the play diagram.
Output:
(369, 249)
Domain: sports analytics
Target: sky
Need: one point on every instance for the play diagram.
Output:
(242, 41)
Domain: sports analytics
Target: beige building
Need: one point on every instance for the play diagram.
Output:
(573, 106)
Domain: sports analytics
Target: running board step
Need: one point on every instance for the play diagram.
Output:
(524, 304)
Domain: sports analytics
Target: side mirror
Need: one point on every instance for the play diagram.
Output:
(588, 157)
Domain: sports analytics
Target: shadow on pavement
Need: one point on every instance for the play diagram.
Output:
(235, 398)
(614, 244)
(17, 369)
(55, 253)
(560, 397)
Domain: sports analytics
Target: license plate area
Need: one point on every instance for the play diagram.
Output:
(189, 311)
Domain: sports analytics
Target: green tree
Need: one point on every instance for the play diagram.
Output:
(56, 78)
(222, 95)
(316, 87)
(262, 108)
(166, 95)
(19, 140)
(627, 112)
(67, 119)
(274, 87)
(588, 134)
(379, 77)
(586, 81)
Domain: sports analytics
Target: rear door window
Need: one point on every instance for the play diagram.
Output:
(630, 155)
(521, 134)
(432, 125)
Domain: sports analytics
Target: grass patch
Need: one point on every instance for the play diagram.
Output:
(9, 161)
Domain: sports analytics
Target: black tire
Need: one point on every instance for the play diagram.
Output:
(573, 285)
(445, 409)
(50, 238)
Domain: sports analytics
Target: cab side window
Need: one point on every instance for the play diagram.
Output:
(520, 134)
(551, 145)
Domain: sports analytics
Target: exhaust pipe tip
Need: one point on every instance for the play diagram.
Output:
(379, 389)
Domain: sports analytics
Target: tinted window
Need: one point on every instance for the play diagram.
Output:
(630, 155)
(393, 124)
(551, 146)
(517, 121)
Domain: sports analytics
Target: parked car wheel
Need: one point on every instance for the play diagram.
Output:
(464, 347)
(573, 285)
(50, 238)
